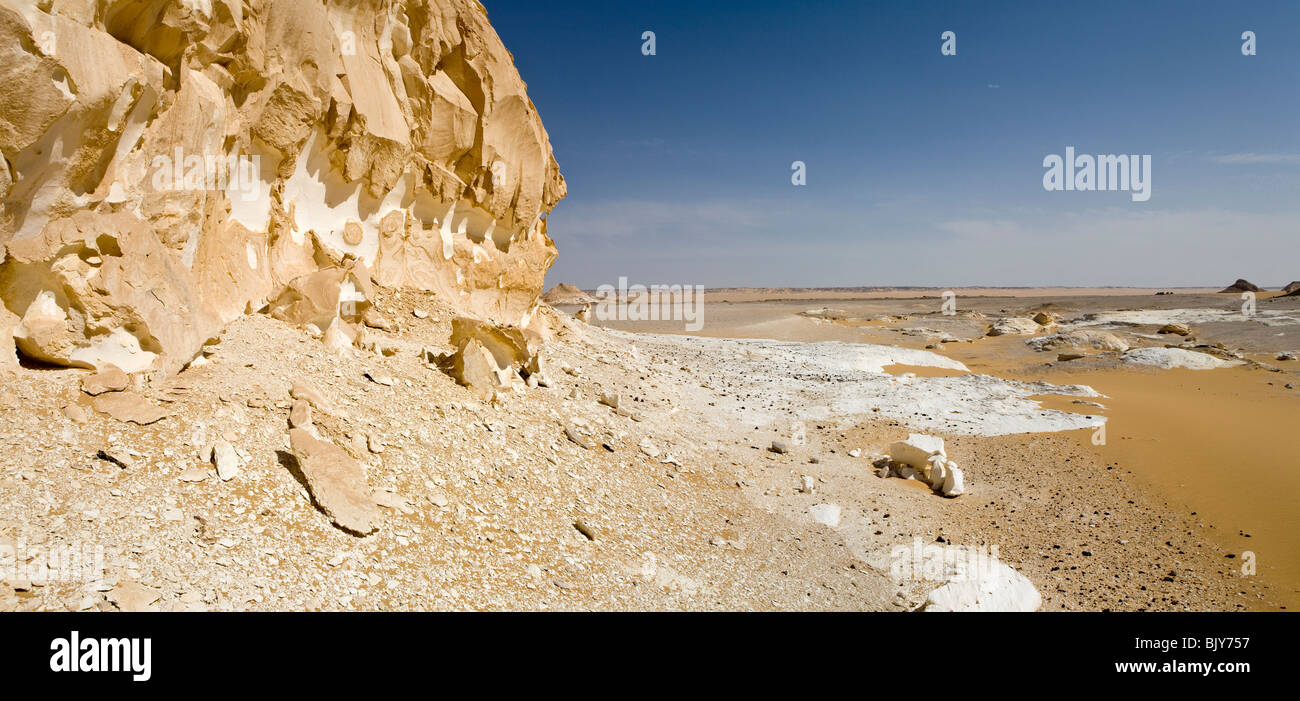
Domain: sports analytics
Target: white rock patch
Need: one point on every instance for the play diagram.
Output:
(826, 514)
(991, 586)
(1191, 317)
(1170, 358)
(766, 378)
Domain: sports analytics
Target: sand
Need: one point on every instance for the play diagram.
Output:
(1209, 450)
(483, 497)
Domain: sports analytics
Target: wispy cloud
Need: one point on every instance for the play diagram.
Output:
(1257, 159)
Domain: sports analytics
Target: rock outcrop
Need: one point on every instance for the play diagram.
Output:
(1014, 326)
(923, 457)
(566, 294)
(489, 357)
(1170, 358)
(1240, 286)
(169, 166)
(1080, 338)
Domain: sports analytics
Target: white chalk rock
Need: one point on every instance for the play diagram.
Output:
(1170, 358)
(1014, 326)
(826, 514)
(945, 477)
(954, 483)
(916, 450)
(227, 461)
(924, 458)
(992, 586)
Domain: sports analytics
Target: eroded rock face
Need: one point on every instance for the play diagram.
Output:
(169, 165)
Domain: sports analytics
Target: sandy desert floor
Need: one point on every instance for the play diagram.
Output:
(641, 477)
(1204, 453)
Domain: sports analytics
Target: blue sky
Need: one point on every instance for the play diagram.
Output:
(922, 169)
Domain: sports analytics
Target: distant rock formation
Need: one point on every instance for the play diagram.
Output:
(1291, 290)
(170, 166)
(1240, 286)
(566, 294)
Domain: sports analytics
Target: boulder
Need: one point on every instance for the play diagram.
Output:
(1175, 328)
(985, 585)
(923, 457)
(110, 379)
(1170, 358)
(1014, 326)
(337, 483)
(1079, 338)
(489, 357)
(321, 297)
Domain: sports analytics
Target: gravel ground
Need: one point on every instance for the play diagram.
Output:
(677, 503)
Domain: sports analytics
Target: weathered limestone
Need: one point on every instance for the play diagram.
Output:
(1014, 326)
(129, 407)
(170, 166)
(489, 358)
(826, 514)
(989, 585)
(923, 457)
(1080, 338)
(110, 379)
(337, 482)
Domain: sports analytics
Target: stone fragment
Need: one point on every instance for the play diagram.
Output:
(923, 457)
(109, 379)
(116, 456)
(300, 414)
(128, 406)
(133, 597)
(337, 483)
(76, 413)
(1014, 326)
(577, 438)
(226, 460)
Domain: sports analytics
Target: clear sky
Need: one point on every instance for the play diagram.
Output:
(922, 169)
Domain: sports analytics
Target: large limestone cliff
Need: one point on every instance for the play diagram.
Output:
(169, 165)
